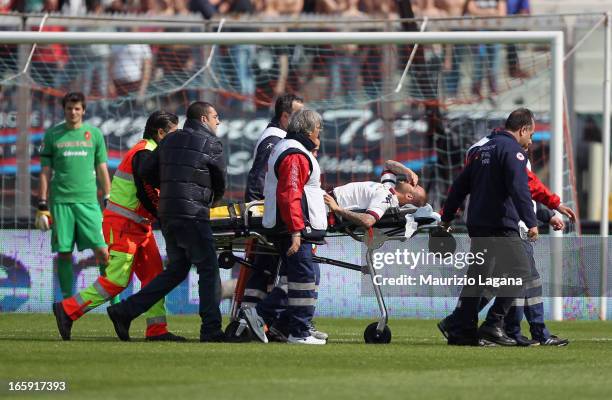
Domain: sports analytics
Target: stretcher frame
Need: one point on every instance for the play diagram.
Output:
(242, 234)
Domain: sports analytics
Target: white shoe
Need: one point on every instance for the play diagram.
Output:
(317, 334)
(255, 322)
(305, 340)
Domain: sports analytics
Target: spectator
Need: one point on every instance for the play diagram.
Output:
(453, 54)
(427, 8)
(176, 62)
(9, 52)
(156, 7)
(372, 64)
(97, 56)
(486, 56)
(7, 6)
(34, 6)
(130, 68)
(117, 6)
(49, 61)
(242, 55)
(167, 7)
(271, 63)
(380, 7)
(516, 7)
(289, 7)
(328, 6)
(73, 7)
(345, 66)
(207, 8)
(449, 8)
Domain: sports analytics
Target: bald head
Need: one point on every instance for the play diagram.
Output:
(410, 194)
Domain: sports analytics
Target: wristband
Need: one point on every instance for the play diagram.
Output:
(42, 205)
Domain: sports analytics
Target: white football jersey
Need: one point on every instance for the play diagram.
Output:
(373, 197)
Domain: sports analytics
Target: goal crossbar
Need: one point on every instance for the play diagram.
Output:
(276, 38)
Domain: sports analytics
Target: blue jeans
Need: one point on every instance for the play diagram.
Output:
(344, 75)
(486, 67)
(452, 78)
(242, 56)
(99, 67)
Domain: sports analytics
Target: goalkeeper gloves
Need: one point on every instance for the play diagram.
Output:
(43, 217)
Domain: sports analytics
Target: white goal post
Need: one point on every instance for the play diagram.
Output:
(554, 39)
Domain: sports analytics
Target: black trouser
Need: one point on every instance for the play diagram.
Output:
(504, 255)
(187, 242)
(266, 267)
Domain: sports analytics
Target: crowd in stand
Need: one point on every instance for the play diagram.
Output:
(211, 8)
(132, 70)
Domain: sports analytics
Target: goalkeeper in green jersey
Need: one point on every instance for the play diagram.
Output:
(72, 155)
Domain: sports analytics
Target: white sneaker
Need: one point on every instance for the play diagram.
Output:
(255, 322)
(317, 334)
(305, 340)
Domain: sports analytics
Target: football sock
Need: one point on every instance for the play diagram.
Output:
(66, 276)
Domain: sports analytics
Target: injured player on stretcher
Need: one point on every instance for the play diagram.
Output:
(398, 187)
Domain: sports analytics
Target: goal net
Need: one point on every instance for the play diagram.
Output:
(451, 95)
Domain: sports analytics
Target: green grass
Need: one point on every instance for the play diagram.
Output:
(416, 365)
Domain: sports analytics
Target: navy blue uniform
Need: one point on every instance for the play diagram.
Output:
(266, 265)
(495, 177)
(257, 174)
(532, 304)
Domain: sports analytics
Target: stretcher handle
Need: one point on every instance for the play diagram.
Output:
(338, 263)
(247, 209)
(261, 238)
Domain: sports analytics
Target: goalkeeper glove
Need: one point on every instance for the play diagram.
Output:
(105, 201)
(43, 217)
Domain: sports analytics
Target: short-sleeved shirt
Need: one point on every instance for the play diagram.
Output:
(516, 6)
(73, 155)
(128, 61)
(374, 197)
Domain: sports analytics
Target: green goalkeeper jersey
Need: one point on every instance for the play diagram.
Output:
(73, 155)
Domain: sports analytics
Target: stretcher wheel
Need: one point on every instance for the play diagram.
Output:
(231, 333)
(226, 260)
(371, 335)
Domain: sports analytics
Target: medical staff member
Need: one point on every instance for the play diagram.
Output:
(294, 208)
(266, 264)
(532, 304)
(495, 177)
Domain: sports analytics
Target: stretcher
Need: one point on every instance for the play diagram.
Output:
(237, 228)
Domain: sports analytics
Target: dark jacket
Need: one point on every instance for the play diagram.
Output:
(188, 166)
(495, 177)
(257, 173)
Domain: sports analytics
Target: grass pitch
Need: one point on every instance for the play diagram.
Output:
(416, 365)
